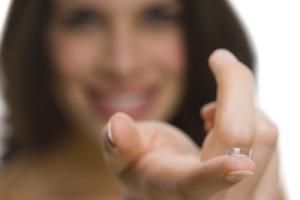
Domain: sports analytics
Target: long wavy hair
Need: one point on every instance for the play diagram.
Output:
(33, 119)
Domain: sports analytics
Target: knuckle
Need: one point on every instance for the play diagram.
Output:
(267, 134)
(236, 135)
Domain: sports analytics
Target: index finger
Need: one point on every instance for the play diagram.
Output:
(234, 120)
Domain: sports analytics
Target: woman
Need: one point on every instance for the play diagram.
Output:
(69, 65)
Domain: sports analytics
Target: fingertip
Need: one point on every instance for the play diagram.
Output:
(237, 169)
(203, 110)
(119, 117)
(237, 164)
(220, 57)
(223, 171)
(124, 133)
(226, 164)
(122, 143)
(237, 176)
(207, 108)
(120, 123)
(222, 54)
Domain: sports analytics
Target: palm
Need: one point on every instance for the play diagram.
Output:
(168, 159)
(168, 165)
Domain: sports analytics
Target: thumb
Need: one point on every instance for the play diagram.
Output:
(121, 143)
(217, 174)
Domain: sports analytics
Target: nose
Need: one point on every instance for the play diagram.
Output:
(123, 54)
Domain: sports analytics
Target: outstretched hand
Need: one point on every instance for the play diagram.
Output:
(154, 160)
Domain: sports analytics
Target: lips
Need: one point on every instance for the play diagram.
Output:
(135, 102)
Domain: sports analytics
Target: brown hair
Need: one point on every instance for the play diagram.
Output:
(33, 117)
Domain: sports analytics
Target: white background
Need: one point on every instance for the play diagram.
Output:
(274, 28)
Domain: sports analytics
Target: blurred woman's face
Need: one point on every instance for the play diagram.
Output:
(112, 55)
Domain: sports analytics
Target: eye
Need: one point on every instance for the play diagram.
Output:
(161, 14)
(83, 18)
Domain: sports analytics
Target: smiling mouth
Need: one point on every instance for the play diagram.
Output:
(134, 102)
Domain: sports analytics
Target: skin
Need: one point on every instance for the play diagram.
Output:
(164, 165)
(146, 159)
(105, 53)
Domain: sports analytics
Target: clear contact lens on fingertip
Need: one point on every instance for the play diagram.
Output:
(239, 152)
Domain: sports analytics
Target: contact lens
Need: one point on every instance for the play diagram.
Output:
(239, 152)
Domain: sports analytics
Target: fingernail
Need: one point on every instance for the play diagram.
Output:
(236, 176)
(108, 136)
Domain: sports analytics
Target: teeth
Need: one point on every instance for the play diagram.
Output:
(124, 102)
